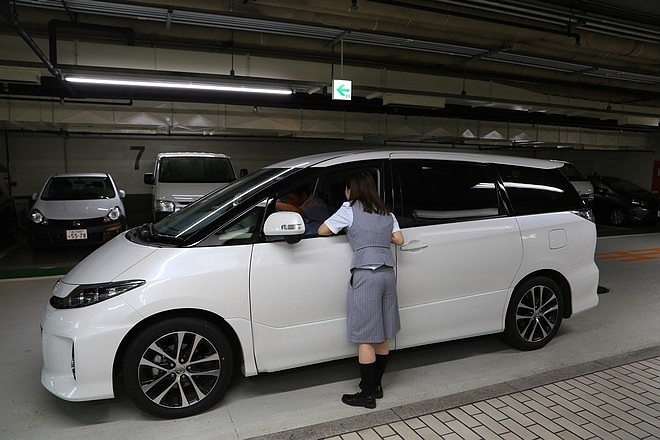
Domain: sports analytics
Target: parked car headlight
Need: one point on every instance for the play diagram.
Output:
(164, 206)
(640, 203)
(114, 214)
(37, 217)
(88, 294)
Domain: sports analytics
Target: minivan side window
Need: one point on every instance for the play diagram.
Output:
(326, 192)
(434, 191)
(535, 191)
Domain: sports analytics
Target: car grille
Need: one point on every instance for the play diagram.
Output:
(76, 224)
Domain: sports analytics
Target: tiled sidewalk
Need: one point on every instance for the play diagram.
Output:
(622, 402)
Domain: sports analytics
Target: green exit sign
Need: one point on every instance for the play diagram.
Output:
(341, 89)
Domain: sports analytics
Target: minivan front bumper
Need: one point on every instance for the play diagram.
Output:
(79, 348)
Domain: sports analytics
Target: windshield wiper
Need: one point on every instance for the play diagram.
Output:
(146, 233)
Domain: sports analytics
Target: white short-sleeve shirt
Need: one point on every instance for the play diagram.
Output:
(343, 218)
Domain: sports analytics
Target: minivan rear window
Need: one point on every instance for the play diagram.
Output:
(572, 173)
(535, 191)
(434, 191)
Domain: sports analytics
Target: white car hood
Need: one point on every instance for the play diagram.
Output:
(108, 262)
(75, 209)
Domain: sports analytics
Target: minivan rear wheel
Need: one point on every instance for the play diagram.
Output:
(534, 314)
(177, 367)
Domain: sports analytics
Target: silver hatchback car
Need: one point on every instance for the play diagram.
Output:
(77, 208)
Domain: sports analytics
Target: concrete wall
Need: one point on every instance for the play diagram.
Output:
(33, 157)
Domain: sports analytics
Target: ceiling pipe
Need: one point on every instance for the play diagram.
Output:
(555, 15)
(295, 29)
(560, 29)
(10, 15)
(114, 103)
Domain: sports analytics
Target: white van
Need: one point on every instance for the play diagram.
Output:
(493, 244)
(180, 178)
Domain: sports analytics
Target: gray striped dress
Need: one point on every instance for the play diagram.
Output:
(372, 306)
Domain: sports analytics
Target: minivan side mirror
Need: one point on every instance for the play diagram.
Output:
(149, 178)
(34, 196)
(242, 172)
(122, 194)
(285, 224)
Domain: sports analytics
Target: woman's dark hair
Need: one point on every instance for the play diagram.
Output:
(363, 188)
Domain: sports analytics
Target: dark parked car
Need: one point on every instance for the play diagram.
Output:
(8, 218)
(620, 202)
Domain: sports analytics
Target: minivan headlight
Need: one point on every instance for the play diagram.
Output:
(88, 294)
(164, 206)
(37, 217)
(114, 214)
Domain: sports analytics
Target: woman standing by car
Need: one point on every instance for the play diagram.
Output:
(373, 311)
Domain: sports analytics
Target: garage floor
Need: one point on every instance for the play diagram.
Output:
(452, 390)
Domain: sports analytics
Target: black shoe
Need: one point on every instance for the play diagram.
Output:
(379, 392)
(359, 399)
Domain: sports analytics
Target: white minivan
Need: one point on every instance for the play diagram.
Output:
(180, 178)
(492, 244)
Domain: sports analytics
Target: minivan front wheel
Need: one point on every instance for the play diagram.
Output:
(534, 314)
(177, 367)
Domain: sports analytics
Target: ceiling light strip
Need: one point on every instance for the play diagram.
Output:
(177, 85)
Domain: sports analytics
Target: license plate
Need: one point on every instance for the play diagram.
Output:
(76, 234)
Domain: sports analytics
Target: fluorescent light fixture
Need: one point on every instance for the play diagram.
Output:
(178, 85)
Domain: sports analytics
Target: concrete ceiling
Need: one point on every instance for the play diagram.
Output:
(594, 63)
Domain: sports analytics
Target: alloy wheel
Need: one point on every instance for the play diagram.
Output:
(537, 313)
(179, 369)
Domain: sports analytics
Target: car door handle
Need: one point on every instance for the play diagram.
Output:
(413, 246)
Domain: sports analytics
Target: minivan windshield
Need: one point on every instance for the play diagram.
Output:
(204, 169)
(196, 216)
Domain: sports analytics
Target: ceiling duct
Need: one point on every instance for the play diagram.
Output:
(8, 13)
(402, 42)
